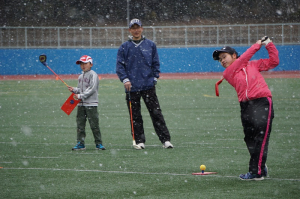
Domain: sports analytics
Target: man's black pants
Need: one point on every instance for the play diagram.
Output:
(152, 104)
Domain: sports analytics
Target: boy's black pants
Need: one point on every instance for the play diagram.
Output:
(152, 104)
(257, 116)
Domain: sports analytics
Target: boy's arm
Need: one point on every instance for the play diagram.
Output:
(75, 90)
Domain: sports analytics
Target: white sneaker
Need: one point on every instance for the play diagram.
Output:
(141, 145)
(167, 145)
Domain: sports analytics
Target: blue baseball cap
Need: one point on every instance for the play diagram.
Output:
(135, 21)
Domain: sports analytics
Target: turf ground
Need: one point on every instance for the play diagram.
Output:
(37, 137)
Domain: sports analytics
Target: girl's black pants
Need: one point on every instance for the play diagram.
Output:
(257, 116)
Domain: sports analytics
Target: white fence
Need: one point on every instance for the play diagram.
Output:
(163, 36)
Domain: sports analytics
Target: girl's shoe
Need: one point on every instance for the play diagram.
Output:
(250, 176)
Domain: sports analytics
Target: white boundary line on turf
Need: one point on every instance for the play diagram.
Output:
(128, 146)
(232, 139)
(98, 171)
(142, 173)
(34, 157)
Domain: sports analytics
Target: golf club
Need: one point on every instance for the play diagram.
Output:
(43, 59)
(71, 102)
(264, 38)
(131, 121)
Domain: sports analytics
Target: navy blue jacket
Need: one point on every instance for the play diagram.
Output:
(139, 63)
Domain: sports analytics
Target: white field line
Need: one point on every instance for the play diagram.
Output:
(124, 149)
(231, 139)
(108, 126)
(147, 145)
(88, 148)
(33, 157)
(128, 147)
(140, 173)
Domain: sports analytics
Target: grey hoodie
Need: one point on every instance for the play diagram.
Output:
(87, 88)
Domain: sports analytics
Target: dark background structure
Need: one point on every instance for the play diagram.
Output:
(95, 13)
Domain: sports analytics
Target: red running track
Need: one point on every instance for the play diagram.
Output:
(210, 75)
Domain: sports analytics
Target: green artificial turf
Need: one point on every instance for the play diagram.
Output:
(36, 138)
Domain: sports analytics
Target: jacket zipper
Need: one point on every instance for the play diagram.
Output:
(82, 86)
(246, 82)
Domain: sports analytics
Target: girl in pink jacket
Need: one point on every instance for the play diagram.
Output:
(255, 100)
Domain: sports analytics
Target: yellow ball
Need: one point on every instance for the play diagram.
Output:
(202, 167)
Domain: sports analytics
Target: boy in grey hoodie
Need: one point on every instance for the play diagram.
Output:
(87, 92)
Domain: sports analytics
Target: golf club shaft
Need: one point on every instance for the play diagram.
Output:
(131, 119)
(57, 75)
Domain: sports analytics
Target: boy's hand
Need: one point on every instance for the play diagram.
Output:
(70, 88)
(76, 97)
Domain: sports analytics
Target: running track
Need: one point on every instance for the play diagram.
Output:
(210, 75)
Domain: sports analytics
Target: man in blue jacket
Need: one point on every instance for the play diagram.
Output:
(138, 69)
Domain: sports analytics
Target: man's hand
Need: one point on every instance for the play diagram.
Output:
(127, 86)
(155, 81)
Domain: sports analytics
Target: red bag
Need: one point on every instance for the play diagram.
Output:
(70, 104)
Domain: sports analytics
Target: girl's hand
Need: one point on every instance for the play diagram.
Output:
(259, 42)
(265, 40)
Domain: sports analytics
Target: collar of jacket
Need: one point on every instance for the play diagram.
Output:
(83, 72)
(136, 41)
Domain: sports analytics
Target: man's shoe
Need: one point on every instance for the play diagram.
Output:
(78, 146)
(100, 147)
(141, 145)
(250, 176)
(167, 145)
